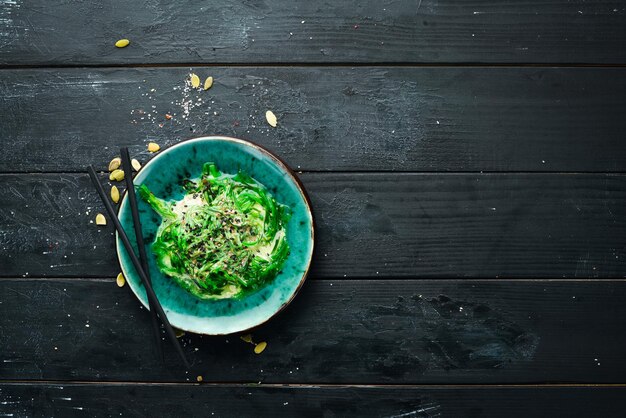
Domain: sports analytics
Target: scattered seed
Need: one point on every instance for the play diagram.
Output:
(195, 81)
(179, 332)
(153, 147)
(258, 349)
(271, 118)
(120, 280)
(117, 175)
(115, 163)
(199, 378)
(208, 83)
(100, 219)
(247, 338)
(122, 43)
(136, 164)
(115, 194)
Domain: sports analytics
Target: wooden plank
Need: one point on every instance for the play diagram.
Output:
(97, 400)
(335, 332)
(368, 225)
(555, 31)
(364, 118)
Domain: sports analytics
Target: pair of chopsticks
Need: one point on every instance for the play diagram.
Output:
(140, 266)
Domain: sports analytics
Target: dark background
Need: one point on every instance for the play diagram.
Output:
(465, 161)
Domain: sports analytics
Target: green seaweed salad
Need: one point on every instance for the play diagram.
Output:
(226, 238)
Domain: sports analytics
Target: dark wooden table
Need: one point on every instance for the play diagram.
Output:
(465, 161)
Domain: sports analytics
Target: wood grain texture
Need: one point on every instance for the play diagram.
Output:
(335, 332)
(368, 225)
(374, 119)
(70, 400)
(416, 31)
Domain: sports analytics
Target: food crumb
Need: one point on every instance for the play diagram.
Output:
(271, 118)
(194, 80)
(115, 163)
(136, 164)
(100, 219)
(208, 83)
(153, 147)
(120, 280)
(247, 338)
(260, 347)
(122, 43)
(199, 378)
(115, 194)
(117, 175)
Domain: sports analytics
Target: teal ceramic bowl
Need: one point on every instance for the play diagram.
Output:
(163, 175)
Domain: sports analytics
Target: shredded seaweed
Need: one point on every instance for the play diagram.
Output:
(224, 239)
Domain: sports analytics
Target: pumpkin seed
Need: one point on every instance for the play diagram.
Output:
(117, 175)
(115, 194)
(120, 280)
(208, 83)
(115, 163)
(271, 118)
(153, 147)
(136, 164)
(247, 338)
(100, 219)
(258, 349)
(195, 81)
(122, 43)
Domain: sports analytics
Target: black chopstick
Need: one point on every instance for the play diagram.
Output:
(132, 199)
(149, 291)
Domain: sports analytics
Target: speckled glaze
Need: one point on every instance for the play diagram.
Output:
(163, 175)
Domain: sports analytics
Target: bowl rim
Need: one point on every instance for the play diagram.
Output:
(277, 160)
